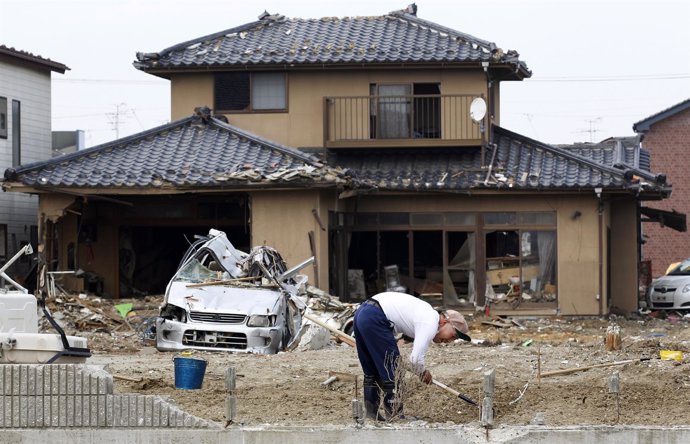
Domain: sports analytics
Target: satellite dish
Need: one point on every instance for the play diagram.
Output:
(478, 109)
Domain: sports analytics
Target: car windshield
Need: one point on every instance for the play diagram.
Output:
(202, 268)
(682, 269)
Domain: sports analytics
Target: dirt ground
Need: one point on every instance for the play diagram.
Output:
(286, 389)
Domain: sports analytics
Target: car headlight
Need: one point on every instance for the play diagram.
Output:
(259, 321)
(686, 288)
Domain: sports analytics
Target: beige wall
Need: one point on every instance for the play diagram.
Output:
(283, 220)
(303, 125)
(624, 276)
(187, 91)
(577, 239)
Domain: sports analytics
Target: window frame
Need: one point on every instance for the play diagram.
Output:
(250, 107)
(16, 133)
(3, 242)
(3, 118)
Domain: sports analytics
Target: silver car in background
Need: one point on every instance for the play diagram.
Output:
(223, 299)
(672, 291)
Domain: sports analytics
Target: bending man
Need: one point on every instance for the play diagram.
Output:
(377, 321)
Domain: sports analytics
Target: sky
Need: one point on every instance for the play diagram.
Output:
(598, 65)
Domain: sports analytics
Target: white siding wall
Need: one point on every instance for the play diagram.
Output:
(32, 89)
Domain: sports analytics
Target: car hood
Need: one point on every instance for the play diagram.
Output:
(671, 281)
(224, 299)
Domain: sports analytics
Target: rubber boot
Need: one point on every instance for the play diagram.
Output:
(393, 406)
(371, 397)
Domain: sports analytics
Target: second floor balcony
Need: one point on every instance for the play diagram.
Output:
(400, 121)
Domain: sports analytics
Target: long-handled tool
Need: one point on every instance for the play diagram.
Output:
(465, 398)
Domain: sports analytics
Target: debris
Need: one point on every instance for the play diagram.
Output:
(498, 324)
(527, 343)
(349, 340)
(671, 355)
(580, 369)
(613, 337)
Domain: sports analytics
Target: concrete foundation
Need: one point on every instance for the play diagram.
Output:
(364, 435)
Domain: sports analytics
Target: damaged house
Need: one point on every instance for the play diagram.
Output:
(371, 143)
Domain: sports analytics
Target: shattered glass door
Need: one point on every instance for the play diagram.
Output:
(459, 285)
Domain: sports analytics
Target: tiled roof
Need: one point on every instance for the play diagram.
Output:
(50, 64)
(519, 163)
(189, 153)
(644, 124)
(394, 38)
(608, 152)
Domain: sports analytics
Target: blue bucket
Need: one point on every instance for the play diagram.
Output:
(189, 373)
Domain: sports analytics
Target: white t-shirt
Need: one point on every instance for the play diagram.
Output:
(412, 317)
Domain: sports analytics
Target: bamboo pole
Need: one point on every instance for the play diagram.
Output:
(349, 340)
(579, 369)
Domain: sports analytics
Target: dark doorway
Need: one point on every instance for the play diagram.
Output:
(150, 255)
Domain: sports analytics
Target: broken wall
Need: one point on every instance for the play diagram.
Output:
(624, 252)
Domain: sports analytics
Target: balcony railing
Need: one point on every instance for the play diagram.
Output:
(417, 120)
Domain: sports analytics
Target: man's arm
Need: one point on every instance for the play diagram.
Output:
(424, 334)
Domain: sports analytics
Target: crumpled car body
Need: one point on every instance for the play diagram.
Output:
(672, 291)
(222, 299)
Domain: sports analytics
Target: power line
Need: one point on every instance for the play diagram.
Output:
(620, 78)
(122, 81)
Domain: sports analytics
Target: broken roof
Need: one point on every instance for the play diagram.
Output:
(643, 125)
(517, 163)
(38, 60)
(277, 41)
(194, 152)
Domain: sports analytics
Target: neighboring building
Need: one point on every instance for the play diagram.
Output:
(666, 135)
(351, 139)
(65, 142)
(25, 119)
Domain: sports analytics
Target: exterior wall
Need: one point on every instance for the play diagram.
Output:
(577, 237)
(303, 124)
(668, 142)
(31, 88)
(623, 260)
(283, 221)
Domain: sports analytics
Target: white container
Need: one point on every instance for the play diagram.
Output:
(37, 348)
(18, 311)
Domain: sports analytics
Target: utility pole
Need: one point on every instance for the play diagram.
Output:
(121, 111)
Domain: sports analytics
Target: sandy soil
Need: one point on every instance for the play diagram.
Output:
(286, 389)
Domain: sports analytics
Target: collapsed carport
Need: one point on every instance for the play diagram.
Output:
(123, 213)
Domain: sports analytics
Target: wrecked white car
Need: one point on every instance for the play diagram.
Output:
(223, 299)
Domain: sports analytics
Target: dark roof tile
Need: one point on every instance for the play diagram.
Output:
(519, 163)
(185, 153)
(397, 37)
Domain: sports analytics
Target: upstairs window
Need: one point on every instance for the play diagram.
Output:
(16, 133)
(3, 117)
(250, 92)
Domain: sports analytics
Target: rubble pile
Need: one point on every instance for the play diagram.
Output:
(100, 322)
